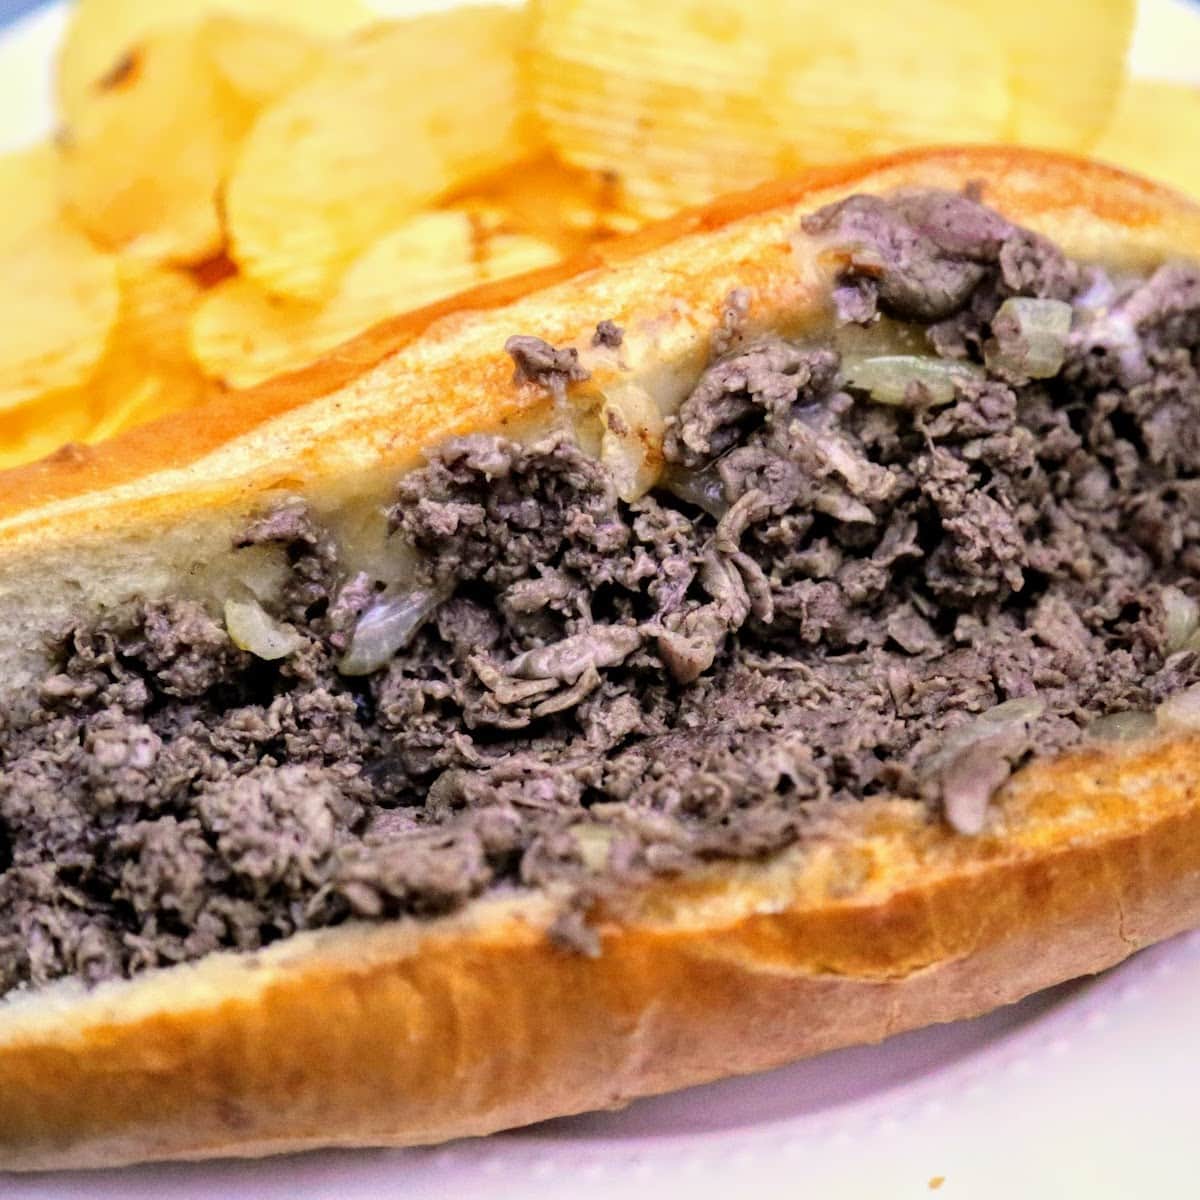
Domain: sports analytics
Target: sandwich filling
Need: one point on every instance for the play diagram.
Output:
(958, 534)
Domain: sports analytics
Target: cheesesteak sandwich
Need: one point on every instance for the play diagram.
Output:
(776, 632)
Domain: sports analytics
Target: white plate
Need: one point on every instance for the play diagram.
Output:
(1087, 1090)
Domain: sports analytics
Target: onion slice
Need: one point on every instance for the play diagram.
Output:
(975, 759)
(386, 628)
(1009, 715)
(1030, 337)
(252, 628)
(908, 380)
(703, 489)
(594, 842)
(1128, 726)
(1182, 619)
(1180, 713)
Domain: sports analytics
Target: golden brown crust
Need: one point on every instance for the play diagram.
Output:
(386, 1035)
(407, 1032)
(1094, 210)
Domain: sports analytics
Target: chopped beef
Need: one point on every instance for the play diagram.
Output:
(763, 382)
(609, 334)
(549, 367)
(927, 256)
(827, 599)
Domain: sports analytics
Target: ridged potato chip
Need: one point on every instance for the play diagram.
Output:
(1065, 61)
(146, 370)
(399, 116)
(1155, 132)
(685, 99)
(149, 361)
(508, 254)
(146, 156)
(242, 336)
(58, 305)
(261, 59)
(146, 401)
(92, 331)
(35, 430)
(29, 192)
(102, 33)
(566, 206)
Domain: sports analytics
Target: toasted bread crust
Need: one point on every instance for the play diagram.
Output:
(1094, 211)
(403, 1034)
(411, 1032)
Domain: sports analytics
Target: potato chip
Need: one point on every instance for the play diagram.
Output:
(1147, 133)
(510, 254)
(242, 336)
(685, 99)
(147, 370)
(35, 430)
(213, 270)
(149, 356)
(29, 192)
(156, 307)
(57, 309)
(434, 255)
(143, 162)
(1065, 62)
(400, 115)
(149, 399)
(261, 59)
(565, 206)
(135, 364)
(103, 33)
(84, 416)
